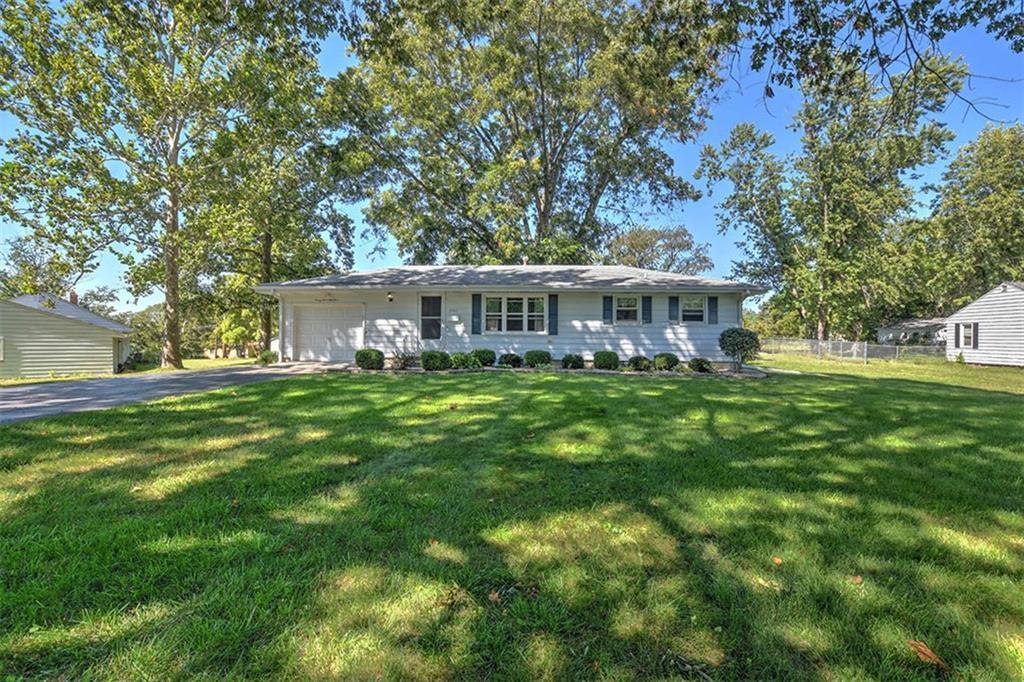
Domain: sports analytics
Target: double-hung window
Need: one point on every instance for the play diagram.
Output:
(967, 335)
(691, 308)
(514, 314)
(430, 317)
(535, 314)
(494, 317)
(627, 309)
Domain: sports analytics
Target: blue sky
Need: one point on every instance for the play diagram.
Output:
(740, 101)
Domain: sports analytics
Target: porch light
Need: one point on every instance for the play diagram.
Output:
(391, 297)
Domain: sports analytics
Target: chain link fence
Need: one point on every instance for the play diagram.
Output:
(849, 350)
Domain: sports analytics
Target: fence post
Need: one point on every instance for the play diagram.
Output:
(865, 352)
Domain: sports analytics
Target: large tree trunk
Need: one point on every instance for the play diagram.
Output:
(172, 299)
(266, 306)
(822, 330)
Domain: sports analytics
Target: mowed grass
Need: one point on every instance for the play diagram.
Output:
(191, 364)
(522, 526)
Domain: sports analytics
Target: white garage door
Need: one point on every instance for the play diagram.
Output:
(328, 333)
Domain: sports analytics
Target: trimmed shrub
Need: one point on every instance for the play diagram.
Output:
(666, 361)
(267, 357)
(702, 365)
(485, 356)
(435, 360)
(537, 358)
(572, 361)
(742, 345)
(606, 359)
(404, 361)
(510, 360)
(369, 358)
(465, 361)
(638, 363)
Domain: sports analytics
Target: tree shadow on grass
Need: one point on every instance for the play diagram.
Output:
(518, 526)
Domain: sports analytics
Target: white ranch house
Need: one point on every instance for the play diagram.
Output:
(506, 308)
(989, 331)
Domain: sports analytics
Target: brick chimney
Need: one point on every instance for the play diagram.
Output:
(73, 297)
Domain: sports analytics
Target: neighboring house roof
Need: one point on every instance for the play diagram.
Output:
(911, 325)
(587, 277)
(48, 303)
(1001, 287)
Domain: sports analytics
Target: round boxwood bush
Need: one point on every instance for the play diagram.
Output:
(742, 345)
(665, 361)
(465, 361)
(510, 360)
(537, 358)
(702, 365)
(638, 363)
(606, 359)
(435, 360)
(369, 358)
(267, 357)
(485, 356)
(572, 361)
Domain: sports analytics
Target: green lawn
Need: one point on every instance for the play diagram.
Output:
(191, 364)
(525, 526)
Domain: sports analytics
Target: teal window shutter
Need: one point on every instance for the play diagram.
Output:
(645, 309)
(609, 311)
(712, 310)
(476, 314)
(552, 314)
(673, 308)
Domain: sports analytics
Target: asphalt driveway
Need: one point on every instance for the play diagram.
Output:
(42, 400)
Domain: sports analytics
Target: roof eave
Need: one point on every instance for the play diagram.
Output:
(278, 288)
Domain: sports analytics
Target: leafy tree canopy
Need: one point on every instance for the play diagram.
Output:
(668, 249)
(978, 219)
(115, 102)
(819, 226)
(528, 128)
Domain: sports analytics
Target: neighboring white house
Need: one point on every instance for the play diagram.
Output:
(42, 335)
(925, 332)
(506, 308)
(989, 331)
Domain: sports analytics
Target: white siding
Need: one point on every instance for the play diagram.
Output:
(393, 327)
(38, 344)
(1000, 318)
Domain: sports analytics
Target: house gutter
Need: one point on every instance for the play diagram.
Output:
(276, 290)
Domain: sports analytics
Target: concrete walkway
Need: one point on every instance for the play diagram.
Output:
(42, 400)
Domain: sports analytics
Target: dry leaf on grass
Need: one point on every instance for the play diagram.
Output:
(856, 580)
(494, 597)
(777, 560)
(925, 653)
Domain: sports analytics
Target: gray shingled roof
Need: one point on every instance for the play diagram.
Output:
(587, 277)
(911, 324)
(58, 306)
